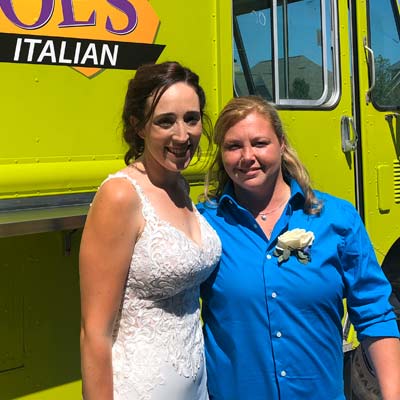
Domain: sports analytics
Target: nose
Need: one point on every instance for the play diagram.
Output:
(247, 153)
(180, 133)
(246, 157)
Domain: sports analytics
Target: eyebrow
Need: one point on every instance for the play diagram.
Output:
(232, 141)
(167, 114)
(172, 114)
(193, 112)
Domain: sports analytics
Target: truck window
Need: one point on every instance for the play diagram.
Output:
(286, 51)
(384, 25)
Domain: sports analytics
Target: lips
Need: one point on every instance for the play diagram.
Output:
(179, 152)
(248, 171)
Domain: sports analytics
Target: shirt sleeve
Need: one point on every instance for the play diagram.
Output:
(366, 288)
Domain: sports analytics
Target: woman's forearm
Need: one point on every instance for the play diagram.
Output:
(385, 356)
(97, 377)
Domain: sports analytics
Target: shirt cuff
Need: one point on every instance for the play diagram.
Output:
(380, 329)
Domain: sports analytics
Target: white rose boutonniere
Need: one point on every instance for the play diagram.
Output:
(297, 242)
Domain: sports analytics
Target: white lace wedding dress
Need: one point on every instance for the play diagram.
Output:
(158, 349)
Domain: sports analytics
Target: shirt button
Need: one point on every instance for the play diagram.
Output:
(283, 373)
(255, 226)
(269, 256)
(278, 334)
(273, 295)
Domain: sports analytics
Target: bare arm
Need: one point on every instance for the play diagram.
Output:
(385, 356)
(106, 249)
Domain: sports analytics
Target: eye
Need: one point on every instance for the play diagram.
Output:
(231, 146)
(165, 122)
(192, 118)
(260, 143)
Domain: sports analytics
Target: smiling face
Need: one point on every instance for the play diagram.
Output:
(251, 154)
(173, 132)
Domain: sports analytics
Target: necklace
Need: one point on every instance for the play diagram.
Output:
(263, 215)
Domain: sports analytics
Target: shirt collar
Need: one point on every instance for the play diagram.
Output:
(296, 200)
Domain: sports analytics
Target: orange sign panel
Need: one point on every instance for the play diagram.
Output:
(86, 35)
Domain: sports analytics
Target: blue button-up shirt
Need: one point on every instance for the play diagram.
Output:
(273, 331)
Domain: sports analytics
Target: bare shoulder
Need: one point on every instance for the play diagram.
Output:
(116, 202)
(118, 191)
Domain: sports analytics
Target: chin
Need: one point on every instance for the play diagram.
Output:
(250, 184)
(177, 165)
(181, 163)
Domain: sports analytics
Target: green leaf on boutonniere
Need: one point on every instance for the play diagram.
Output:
(302, 255)
(286, 254)
(304, 258)
(282, 254)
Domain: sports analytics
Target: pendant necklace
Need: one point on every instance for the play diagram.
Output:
(264, 215)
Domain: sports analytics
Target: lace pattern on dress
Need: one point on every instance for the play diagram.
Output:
(159, 319)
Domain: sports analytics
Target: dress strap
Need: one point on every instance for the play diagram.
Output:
(137, 187)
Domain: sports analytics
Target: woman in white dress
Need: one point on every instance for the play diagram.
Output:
(145, 250)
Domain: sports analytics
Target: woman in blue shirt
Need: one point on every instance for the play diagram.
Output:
(272, 309)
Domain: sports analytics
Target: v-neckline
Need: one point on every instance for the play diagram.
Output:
(145, 200)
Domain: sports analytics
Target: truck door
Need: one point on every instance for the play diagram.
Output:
(378, 60)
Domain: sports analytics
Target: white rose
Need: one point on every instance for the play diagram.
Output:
(295, 239)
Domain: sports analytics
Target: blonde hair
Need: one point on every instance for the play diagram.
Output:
(235, 111)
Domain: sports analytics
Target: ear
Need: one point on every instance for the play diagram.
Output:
(283, 147)
(134, 122)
